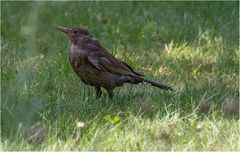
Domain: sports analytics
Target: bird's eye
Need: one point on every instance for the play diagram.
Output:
(75, 31)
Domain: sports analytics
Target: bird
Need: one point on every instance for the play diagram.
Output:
(97, 67)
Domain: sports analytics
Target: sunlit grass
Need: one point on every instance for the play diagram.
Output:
(192, 46)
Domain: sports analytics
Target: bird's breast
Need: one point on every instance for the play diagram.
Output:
(77, 58)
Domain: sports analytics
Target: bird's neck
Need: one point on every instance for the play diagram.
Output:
(72, 47)
(83, 40)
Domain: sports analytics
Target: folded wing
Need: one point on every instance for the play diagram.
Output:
(106, 62)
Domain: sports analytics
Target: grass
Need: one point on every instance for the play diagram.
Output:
(192, 46)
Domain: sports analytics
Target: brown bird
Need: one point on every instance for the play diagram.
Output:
(97, 67)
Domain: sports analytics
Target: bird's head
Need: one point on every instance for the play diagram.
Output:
(74, 33)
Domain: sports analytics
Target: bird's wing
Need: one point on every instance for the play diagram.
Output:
(104, 61)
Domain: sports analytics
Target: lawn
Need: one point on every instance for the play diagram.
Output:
(191, 46)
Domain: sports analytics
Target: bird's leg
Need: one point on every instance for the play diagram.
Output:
(98, 92)
(110, 93)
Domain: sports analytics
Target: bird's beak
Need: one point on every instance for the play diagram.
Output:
(63, 29)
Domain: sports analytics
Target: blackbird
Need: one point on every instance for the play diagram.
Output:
(97, 67)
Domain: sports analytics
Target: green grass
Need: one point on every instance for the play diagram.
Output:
(192, 46)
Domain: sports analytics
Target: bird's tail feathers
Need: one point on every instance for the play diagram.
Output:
(138, 79)
(161, 86)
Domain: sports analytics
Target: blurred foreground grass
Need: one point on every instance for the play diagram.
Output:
(192, 46)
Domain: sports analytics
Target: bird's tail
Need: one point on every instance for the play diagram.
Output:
(161, 86)
(139, 79)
